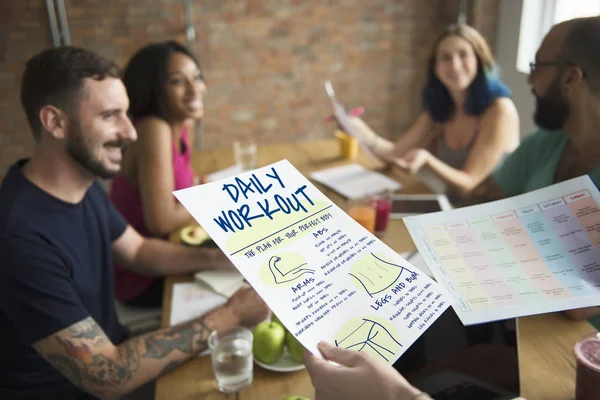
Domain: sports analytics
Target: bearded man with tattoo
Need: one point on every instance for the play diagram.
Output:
(59, 333)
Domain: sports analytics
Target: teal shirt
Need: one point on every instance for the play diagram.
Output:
(533, 164)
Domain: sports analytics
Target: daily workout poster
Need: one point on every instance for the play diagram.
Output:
(322, 274)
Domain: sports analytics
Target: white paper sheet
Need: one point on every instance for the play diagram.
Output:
(225, 283)
(354, 181)
(322, 274)
(343, 121)
(190, 301)
(530, 254)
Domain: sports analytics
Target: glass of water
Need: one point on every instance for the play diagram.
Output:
(231, 354)
(245, 153)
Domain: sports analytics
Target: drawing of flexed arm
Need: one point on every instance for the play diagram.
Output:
(279, 276)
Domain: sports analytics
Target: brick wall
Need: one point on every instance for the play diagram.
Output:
(265, 60)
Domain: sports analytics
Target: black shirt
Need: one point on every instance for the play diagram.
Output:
(55, 270)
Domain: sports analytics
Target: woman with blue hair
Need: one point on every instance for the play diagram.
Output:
(468, 123)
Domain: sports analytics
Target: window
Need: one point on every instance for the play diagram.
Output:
(537, 17)
(569, 9)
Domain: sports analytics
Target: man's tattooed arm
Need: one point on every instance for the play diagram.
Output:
(85, 355)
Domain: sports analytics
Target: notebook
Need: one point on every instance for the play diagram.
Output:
(353, 181)
(191, 301)
(225, 283)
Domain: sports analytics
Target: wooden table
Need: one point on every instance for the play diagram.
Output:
(546, 362)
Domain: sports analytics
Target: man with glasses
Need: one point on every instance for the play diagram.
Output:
(565, 80)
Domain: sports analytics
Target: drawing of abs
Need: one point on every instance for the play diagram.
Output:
(376, 275)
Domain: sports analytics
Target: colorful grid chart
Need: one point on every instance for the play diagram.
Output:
(534, 253)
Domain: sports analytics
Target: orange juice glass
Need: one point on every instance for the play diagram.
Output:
(348, 145)
(364, 213)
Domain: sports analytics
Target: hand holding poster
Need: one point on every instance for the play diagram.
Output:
(322, 274)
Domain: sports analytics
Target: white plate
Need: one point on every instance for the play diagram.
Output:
(285, 364)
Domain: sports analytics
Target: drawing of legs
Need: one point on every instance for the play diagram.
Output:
(287, 273)
(375, 275)
(366, 334)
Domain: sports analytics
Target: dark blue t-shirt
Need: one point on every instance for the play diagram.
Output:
(55, 270)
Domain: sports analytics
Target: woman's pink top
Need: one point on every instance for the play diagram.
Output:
(126, 198)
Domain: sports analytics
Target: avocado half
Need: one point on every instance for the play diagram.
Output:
(193, 235)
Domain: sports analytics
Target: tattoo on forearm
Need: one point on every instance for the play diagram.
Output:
(104, 371)
(130, 355)
(67, 366)
(183, 338)
(90, 369)
(84, 367)
(88, 329)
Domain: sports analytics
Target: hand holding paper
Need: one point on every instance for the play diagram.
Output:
(355, 376)
(346, 124)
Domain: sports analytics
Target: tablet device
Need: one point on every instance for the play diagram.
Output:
(453, 362)
(414, 204)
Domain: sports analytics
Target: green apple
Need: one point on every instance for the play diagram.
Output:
(268, 342)
(296, 398)
(294, 347)
(276, 320)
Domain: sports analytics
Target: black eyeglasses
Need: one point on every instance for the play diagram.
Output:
(537, 64)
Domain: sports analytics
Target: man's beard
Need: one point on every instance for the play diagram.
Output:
(552, 110)
(80, 150)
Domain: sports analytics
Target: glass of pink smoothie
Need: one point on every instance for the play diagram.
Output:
(383, 208)
(587, 354)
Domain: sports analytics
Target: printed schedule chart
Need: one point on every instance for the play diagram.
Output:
(530, 254)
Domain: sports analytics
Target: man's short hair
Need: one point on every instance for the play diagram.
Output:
(580, 47)
(56, 77)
